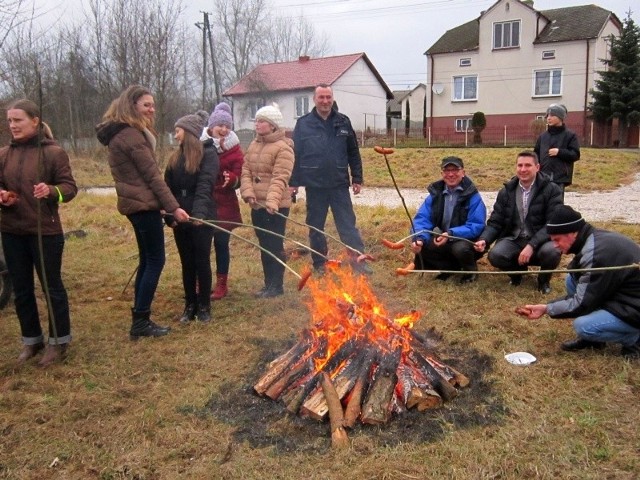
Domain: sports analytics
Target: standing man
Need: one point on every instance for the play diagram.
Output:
(326, 152)
(518, 221)
(558, 148)
(454, 207)
(604, 303)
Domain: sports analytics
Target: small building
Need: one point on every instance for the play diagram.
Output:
(407, 109)
(358, 89)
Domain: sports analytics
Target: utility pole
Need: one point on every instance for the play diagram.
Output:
(216, 83)
(203, 26)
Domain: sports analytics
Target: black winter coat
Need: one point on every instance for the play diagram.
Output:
(616, 291)
(193, 190)
(560, 167)
(546, 197)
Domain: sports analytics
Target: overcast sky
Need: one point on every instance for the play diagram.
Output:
(393, 33)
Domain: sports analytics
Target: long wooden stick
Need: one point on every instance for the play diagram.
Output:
(529, 272)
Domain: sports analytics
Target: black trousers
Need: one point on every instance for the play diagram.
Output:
(453, 255)
(194, 248)
(22, 256)
(272, 269)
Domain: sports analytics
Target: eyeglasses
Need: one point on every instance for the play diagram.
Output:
(450, 170)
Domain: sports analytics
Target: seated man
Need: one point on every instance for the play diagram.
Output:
(604, 303)
(455, 208)
(518, 221)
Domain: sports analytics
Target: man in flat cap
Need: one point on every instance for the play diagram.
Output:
(453, 207)
(604, 303)
(558, 147)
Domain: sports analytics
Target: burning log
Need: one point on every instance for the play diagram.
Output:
(354, 362)
(376, 407)
(339, 438)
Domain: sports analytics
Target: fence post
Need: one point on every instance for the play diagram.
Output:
(466, 137)
(591, 135)
(505, 135)
(429, 136)
(395, 137)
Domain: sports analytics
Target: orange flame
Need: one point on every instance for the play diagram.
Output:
(343, 307)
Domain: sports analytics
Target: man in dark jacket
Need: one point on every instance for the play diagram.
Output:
(518, 221)
(326, 150)
(454, 207)
(557, 148)
(604, 303)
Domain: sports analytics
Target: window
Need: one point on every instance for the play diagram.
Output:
(463, 124)
(547, 82)
(302, 106)
(253, 107)
(465, 62)
(465, 88)
(548, 54)
(506, 34)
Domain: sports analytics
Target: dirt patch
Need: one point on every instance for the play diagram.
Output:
(262, 422)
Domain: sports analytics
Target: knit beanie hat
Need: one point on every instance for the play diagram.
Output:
(221, 115)
(193, 123)
(270, 113)
(564, 219)
(558, 110)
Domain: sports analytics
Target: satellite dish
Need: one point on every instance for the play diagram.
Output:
(437, 88)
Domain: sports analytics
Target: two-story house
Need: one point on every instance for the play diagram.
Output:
(358, 89)
(513, 61)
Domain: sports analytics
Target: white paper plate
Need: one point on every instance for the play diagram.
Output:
(520, 358)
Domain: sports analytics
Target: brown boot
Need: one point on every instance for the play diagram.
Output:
(53, 354)
(220, 289)
(29, 351)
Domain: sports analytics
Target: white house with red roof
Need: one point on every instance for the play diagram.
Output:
(358, 89)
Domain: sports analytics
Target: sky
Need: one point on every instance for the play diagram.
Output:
(393, 33)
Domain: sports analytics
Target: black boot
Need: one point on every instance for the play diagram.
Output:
(544, 280)
(204, 313)
(142, 326)
(189, 313)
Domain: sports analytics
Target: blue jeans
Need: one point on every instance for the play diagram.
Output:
(22, 256)
(602, 326)
(221, 246)
(319, 200)
(149, 232)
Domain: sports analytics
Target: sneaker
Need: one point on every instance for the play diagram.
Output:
(581, 344)
(515, 280)
(271, 291)
(544, 288)
(362, 268)
(468, 278)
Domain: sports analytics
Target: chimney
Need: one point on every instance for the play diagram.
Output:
(303, 58)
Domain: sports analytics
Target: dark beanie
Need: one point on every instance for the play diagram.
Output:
(558, 110)
(193, 123)
(564, 219)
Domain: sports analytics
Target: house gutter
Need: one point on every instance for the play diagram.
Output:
(586, 92)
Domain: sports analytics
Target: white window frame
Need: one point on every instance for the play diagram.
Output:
(465, 62)
(462, 125)
(301, 105)
(509, 41)
(554, 82)
(463, 97)
(548, 54)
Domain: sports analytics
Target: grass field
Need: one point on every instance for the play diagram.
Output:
(182, 406)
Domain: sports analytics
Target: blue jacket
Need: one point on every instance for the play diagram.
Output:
(325, 152)
(469, 213)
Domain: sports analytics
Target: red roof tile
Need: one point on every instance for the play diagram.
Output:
(300, 74)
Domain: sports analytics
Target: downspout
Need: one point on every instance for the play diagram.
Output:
(431, 92)
(586, 93)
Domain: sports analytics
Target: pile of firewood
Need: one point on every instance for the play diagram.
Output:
(354, 363)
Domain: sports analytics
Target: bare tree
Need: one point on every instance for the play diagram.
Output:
(288, 40)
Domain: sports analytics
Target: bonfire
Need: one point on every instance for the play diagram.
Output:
(356, 363)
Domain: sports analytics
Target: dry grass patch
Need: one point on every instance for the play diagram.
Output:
(182, 406)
